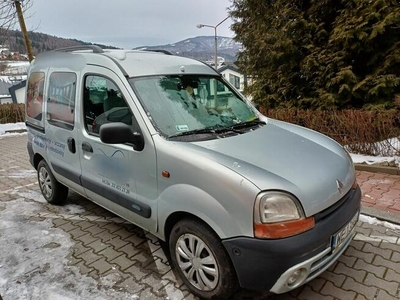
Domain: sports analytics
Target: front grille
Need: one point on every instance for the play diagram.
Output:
(333, 207)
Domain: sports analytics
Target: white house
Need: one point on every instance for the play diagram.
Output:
(231, 73)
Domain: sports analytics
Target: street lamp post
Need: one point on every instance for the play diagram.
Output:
(215, 38)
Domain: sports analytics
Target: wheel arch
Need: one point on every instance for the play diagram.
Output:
(178, 216)
(36, 160)
(187, 200)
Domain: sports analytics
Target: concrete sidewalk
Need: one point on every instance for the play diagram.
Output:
(380, 195)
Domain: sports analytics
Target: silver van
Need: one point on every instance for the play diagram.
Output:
(165, 142)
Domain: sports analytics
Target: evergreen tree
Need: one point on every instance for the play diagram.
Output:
(320, 54)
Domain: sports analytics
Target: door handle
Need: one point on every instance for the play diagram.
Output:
(71, 145)
(87, 147)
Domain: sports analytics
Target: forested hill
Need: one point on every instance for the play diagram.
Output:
(40, 42)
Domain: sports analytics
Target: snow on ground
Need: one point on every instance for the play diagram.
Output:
(372, 160)
(357, 158)
(12, 79)
(34, 264)
(17, 67)
(17, 63)
(375, 221)
(34, 260)
(5, 79)
(4, 128)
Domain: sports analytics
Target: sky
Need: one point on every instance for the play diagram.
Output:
(126, 23)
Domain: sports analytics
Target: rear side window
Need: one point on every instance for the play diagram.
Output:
(61, 99)
(34, 96)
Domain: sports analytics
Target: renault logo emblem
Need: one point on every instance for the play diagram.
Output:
(339, 185)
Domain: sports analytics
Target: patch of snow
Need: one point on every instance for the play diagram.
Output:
(18, 63)
(5, 79)
(6, 135)
(371, 160)
(375, 221)
(73, 209)
(34, 262)
(391, 148)
(11, 126)
(32, 195)
(23, 174)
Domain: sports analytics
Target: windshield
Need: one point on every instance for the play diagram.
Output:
(178, 105)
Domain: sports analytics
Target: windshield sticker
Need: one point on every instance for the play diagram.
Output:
(182, 127)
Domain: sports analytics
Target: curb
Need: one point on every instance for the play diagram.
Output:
(377, 169)
(380, 214)
(15, 131)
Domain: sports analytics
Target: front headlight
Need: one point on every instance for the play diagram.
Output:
(278, 215)
(278, 207)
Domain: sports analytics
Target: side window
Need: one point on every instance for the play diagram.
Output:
(34, 96)
(103, 103)
(234, 80)
(61, 99)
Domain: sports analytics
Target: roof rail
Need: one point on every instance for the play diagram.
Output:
(161, 51)
(94, 48)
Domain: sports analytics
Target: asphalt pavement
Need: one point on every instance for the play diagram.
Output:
(81, 251)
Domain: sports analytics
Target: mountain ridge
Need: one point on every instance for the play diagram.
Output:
(40, 41)
(199, 47)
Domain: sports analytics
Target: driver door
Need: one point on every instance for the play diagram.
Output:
(116, 176)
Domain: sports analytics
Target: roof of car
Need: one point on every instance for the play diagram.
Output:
(132, 63)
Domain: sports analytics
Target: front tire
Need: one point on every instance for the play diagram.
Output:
(53, 191)
(201, 260)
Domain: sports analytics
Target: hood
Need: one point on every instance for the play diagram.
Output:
(282, 156)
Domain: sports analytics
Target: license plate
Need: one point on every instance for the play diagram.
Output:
(339, 237)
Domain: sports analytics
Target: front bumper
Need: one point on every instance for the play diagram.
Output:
(266, 264)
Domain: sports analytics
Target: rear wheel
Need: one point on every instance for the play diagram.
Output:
(53, 191)
(201, 260)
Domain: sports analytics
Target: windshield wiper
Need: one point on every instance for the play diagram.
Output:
(219, 129)
(246, 124)
(195, 131)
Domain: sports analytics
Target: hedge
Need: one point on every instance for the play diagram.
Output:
(362, 131)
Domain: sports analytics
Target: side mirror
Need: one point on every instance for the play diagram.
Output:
(119, 133)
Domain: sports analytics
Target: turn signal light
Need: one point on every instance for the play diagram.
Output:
(282, 229)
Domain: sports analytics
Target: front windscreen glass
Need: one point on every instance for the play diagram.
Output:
(185, 104)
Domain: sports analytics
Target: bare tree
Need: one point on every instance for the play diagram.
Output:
(9, 18)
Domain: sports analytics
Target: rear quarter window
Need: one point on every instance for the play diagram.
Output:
(34, 96)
